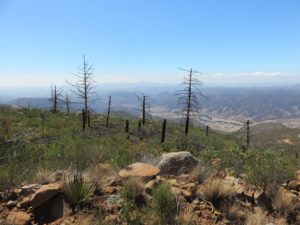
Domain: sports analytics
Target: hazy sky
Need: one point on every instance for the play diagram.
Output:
(233, 42)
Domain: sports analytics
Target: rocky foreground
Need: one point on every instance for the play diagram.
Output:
(201, 198)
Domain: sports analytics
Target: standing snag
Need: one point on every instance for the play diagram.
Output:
(55, 98)
(145, 107)
(108, 111)
(189, 97)
(84, 87)
(68, 103)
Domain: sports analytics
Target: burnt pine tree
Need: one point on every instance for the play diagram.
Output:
(84, 87)
(68, 103)
(189, 97)
(144, 102)
(55, 98)
(244, 135)
(108, 111)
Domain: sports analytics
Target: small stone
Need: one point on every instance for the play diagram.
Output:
(31, 186)
(11, 204)
(18, 218)
(113, 201)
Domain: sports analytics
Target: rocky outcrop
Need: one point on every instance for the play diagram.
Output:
(142, 170)
(44, 194)
(177, 163)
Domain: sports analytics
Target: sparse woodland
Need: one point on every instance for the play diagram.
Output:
(49, 148)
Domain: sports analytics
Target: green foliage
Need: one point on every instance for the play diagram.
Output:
(78, 191)
(63, 145)
(268, 167)
(128, 211)
(164, 204)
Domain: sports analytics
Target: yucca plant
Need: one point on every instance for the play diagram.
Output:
(78, 191)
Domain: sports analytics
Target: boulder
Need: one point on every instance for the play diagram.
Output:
(143, 170)
(177, 163)
(18, 218)
(44, 194)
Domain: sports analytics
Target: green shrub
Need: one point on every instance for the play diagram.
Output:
(164, 204)
(129, 212)
(78, 191)
(268, 167)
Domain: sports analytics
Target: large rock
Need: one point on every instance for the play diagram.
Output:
(18, 218)
(143, 170)
(44, 194)
(177, 163)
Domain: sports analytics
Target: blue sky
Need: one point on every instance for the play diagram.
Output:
(233, 42)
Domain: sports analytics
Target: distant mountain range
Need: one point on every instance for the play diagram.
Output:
(222, 104)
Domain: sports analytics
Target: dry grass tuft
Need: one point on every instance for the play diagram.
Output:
(84, 219)
(283, 202)
(258, 217)
(200, 173)
(101, 175)
(186, 217)
(235, 213)
(135, 184)
(216, 190)
(44, 176)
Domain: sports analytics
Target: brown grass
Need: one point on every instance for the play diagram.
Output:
(135, 184)
(235, 213)
(200, 173)
(258, 217)
(216, 190)
(101, 174)
(44, 176)
(283, 202)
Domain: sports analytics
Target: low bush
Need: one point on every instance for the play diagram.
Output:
(129, 212)
(164, 204)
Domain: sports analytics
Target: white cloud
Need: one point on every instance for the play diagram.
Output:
(258, 78)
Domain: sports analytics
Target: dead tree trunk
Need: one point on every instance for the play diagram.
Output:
(139, 125)
(189, 97)
(188, 111)
(127, 126)
(144, 110)
(248, 134)
(206, 131)
(89, 118)
(55, 98)
(84, 87)
(83, 119)
(163, 134)
(108, 111)
(68, 102)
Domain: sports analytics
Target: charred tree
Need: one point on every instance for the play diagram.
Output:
(163, 133)
(84, 87)
(145, 108)
(68, 103)
(244, 135)
(56, 94)
(189, 97)
(108, 111)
